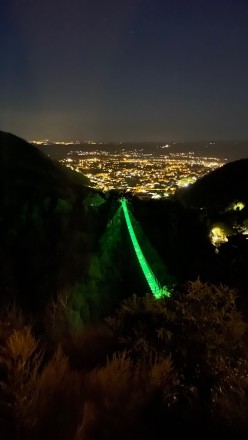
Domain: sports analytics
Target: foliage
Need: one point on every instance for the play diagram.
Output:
(22, 357)
(118, 395)
(56, 315)
(229, 396)
(31, 387)
(196, 328)
(88, 347)
(11, 317)
(177, 362)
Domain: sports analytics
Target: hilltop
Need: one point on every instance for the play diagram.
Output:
(27, 171)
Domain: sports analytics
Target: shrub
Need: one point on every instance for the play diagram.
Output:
(21, 357)
(11, 317)
(195, 328)
(108, 394)
(41, 394)
(229, 396)
(57, 315)
(60, 399)
(119, 395)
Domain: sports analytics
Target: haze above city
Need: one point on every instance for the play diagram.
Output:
(128, 70)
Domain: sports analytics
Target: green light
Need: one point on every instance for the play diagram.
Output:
(154, 285)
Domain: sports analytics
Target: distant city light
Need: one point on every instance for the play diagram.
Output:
(147, 175)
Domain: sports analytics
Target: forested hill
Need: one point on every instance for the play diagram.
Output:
(219, 188)
(221, 200)
(46, 228)
(26, 171)
(57, 234)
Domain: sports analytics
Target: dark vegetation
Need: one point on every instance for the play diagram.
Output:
(218, 189)
(81, 355)
(177, 364)
(213, 198)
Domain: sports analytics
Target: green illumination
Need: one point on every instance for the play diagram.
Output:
(154, 285)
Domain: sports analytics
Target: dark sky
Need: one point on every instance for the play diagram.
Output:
(124, 69)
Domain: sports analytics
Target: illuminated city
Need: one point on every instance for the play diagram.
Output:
(150, 175)
(155, 172)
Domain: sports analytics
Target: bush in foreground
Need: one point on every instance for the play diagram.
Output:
(176, 363)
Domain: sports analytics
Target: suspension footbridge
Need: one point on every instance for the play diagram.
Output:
(156, 288)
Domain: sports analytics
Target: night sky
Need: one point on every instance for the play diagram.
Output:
(124, 69)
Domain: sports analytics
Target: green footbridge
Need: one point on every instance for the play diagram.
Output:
(156, 288)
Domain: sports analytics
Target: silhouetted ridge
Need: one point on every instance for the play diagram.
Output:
(219, 188)
(45, 224)
(25, 168)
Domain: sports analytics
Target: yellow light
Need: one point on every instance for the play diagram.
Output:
(236, 206)
(218, 236)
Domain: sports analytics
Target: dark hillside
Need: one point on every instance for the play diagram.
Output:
(179, 237)
(221, 200)
(27, 171)
(47, 230)
(58, 234)
(219, 188)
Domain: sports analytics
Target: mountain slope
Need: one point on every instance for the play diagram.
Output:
(219, 188)
(47, 230)
(27, 171)
(221, 201)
